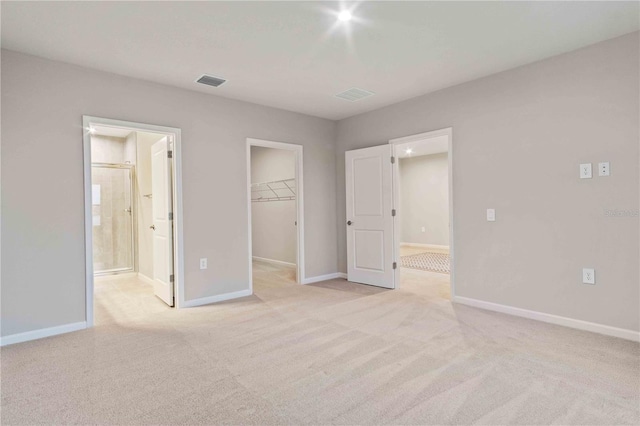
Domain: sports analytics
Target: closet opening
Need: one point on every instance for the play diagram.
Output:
(276, 222)
(131, 217)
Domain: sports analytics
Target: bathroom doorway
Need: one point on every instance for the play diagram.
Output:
(133, 227)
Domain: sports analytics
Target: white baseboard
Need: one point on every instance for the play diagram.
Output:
(326, 277)
(428, 246)
(552, 319)
(217, 298)
(41, 333)
(277, 262)
(146, 279)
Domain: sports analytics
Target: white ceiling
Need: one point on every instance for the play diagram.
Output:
(296, 56)
(430, 146)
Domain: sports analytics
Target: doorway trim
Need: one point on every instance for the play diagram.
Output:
(396, 235)
(300, 269)
(178, 254)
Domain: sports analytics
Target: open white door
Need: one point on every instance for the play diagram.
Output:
(162, 221)
(369, 216)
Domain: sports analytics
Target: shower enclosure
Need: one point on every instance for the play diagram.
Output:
(112, 211)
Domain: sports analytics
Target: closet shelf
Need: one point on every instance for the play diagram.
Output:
(277, 190)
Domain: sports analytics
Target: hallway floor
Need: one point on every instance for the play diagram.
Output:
(328, 353)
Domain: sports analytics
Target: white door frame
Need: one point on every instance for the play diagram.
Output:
(178, 253)
(396, 235)
(300, 270)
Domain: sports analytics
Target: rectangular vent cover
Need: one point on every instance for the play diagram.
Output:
(211, 80)
(354, 94)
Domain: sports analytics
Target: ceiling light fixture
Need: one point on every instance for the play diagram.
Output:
(345, 16)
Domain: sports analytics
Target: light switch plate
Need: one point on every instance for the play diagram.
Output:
(203, 263)
(491, 215)
(585, 171)
(588, 276)
(603, 169)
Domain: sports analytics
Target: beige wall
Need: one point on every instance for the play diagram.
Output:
(107, 149)
(518, 138)
(424, 199)
(273, 222)
(43, 274)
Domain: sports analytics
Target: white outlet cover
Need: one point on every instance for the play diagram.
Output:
(585, 171)
(588, 276)
(423, 229)
(203, 263)
(603, 169)
(491, 215)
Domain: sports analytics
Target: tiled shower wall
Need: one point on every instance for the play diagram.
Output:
(112, 223)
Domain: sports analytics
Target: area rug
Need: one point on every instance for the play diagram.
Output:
(434, 262)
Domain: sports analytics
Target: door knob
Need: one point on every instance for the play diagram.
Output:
(153, 227)
(349, 223)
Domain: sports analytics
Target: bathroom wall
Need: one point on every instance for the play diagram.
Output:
(107, 149)
(111, 197)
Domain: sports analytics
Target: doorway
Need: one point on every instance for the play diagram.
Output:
(275, 212)
(423, 200)
(377, 210)
(133, 227)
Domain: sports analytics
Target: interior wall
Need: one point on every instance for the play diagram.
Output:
(43, 102)
(107, 149)
(273, 222)
(518, 140)
(424, 199)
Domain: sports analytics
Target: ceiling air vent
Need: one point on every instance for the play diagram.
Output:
(354, 94)
(211, 80)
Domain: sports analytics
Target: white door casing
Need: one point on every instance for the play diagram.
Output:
(161, 190)
(370, 258)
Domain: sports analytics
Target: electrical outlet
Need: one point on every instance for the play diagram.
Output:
(603, 169)
(423, 229)
(203, 263)
(491, 215)
(585, 171)
(588, 276)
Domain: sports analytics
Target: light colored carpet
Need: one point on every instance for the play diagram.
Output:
(427, 261)
(329, 353)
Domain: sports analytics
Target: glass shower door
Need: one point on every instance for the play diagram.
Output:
(112, 211)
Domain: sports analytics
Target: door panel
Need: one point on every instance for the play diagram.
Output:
(369, 219)
(161, 188)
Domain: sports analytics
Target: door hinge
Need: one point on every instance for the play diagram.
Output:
(393, 212)
(395, 265)
(169, 154)
(170, 215)
(393, 159)
(171, 278)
